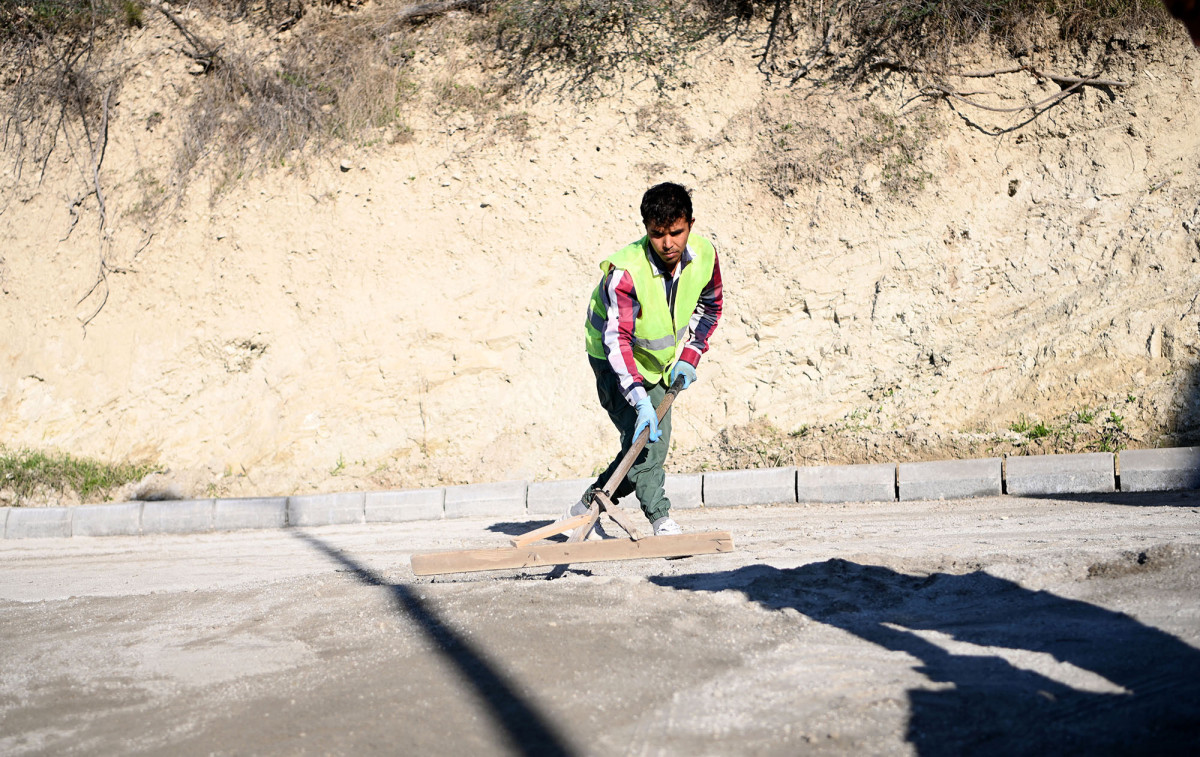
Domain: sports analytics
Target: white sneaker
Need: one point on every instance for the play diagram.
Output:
(579, 508)
(666, 527)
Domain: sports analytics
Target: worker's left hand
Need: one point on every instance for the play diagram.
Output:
(687, 370)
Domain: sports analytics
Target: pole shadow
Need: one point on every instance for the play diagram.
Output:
(1170, 498)
(528, 731)
(1148, 702)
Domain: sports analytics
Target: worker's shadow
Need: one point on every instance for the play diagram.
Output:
(1133, 689)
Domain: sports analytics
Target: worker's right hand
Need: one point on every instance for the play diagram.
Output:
(646, 417)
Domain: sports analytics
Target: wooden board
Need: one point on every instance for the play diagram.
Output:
(555, 528)
(565, 553)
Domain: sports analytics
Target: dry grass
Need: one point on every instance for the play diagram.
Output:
(268, 97)
(958, 21)
(337, 77)
(51, 55)
(867, 435)
(843, 40)
(798, 146)
(582, 46)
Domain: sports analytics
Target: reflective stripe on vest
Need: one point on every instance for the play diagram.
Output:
(657, 334)
(596, 321)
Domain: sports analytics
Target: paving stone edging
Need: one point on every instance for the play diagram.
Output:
(1037, 475)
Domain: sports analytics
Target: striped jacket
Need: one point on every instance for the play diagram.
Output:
(620, 300)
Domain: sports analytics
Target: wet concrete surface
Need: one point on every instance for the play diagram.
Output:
(985, 626)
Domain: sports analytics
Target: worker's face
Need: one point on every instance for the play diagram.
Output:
(669, 240)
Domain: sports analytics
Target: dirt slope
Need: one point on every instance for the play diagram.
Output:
(902, 282)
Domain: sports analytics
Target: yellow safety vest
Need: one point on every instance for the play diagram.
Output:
(657, 332)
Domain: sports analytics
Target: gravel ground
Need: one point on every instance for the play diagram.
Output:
(987, 626)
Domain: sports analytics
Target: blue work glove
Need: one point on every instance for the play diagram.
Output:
(687, 370)
(646, 417)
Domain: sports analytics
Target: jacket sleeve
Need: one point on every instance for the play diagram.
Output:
(704, 320)
(620, 300)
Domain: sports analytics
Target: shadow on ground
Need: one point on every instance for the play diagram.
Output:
(528, 731)
(1129, 499)
(516, 528)
(996, 702)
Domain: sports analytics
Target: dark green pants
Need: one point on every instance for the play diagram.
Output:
(646, 477)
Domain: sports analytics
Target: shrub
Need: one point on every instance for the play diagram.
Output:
(589, 42)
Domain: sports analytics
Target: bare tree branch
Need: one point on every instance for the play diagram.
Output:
(1087, 80)
(1082, 80)
(935, 90)
(203, 51)
(98, 157)
(99, 147)
(1078, 82)
(822, 51)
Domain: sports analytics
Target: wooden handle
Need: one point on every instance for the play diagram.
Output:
(618, 475)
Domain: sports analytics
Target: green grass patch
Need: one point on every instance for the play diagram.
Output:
(27, 472)
(1113, 436)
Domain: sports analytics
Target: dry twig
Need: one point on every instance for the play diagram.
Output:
(938, 89)
(96, 152)
(821, 52)
(1083, 80)
(98, 148)
(203, 52)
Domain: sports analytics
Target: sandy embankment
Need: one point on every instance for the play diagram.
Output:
(416, 319)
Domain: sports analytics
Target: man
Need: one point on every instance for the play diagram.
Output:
(649, 321)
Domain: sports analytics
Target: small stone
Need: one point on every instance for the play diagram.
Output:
(345, 166)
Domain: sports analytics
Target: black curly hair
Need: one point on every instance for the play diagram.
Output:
(666, 203)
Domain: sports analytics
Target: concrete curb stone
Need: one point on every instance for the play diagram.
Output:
(1086, 473)
(123, 519)
(685, 490)
(754, 486)
(1167, 469)
(847, 483)
(949, 479)
(405, 505)
(554, 497)
(1141, 470)
(326, 509)
(178, 516)
(250, 512)
(506, 498)
(38, 523)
